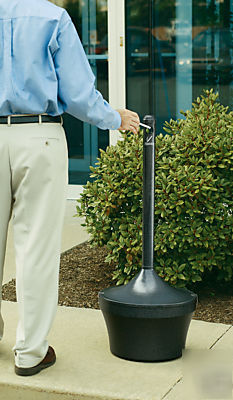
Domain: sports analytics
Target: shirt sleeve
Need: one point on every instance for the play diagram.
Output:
(76, 81)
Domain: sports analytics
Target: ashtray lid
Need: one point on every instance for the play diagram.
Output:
(148, 292)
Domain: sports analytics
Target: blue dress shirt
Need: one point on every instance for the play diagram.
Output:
(43, 66)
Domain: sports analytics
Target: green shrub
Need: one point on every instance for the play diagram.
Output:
(193, 198)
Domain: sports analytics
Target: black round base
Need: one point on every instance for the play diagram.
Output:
(147, 320)
(147, 339)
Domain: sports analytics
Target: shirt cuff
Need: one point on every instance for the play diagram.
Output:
(117, 121)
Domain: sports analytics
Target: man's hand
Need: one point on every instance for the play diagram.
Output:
(129, 121)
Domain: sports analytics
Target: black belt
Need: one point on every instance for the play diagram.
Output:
(29, 119)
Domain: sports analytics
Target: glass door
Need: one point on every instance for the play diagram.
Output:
(174, 50)
(84, 140)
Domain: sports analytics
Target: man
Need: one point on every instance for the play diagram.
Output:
(43, 73)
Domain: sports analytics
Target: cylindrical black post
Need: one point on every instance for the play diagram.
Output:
(148, 193)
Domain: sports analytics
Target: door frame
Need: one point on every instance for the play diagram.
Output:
(117, 59)
(116, 72)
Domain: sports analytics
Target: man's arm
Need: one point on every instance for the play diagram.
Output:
(76, 84)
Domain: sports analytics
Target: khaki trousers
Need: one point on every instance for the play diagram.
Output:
(33, 184)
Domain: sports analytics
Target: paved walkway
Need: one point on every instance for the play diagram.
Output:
(87, 370)
(85, 367)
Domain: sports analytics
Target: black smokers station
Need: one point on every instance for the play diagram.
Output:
(146, 319)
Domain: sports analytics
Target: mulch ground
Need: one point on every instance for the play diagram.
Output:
(83, 273)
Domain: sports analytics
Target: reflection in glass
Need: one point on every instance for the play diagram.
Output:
(175, 49)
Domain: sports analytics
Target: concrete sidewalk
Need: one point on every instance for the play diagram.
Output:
(73, 234)
(87, 370)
